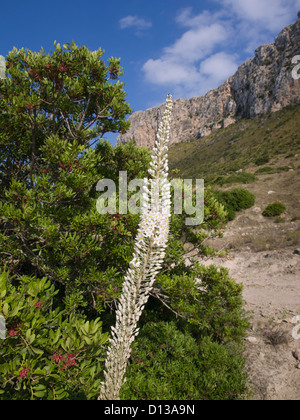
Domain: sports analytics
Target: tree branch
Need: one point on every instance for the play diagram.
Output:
(84, 113)
(155, 293)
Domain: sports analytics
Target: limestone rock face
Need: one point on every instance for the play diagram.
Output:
(262, 84)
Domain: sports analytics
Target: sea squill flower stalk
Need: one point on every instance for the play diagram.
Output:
(149, 253)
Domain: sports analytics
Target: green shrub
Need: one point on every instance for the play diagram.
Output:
(242, 178)
(266, 170)
(212, 305)
(235, 200)
(222, 198)
(262, 160)
(47, 354)
(240, 199)
(284, 169)
(190, 344)
(167, 364)
(279, 220)
(274, 209)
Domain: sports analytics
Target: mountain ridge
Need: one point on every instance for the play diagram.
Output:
(261, 84)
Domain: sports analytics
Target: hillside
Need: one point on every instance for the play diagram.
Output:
(261, 253)
(246, 144)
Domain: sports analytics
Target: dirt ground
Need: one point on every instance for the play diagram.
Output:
(263, 255)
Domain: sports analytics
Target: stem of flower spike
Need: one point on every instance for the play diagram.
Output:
(149, 253)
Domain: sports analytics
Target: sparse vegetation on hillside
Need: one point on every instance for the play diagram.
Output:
(274, 209)
(235, 200)
(239, 178)
(237, 147)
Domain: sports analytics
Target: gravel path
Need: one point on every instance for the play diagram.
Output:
(272, 293)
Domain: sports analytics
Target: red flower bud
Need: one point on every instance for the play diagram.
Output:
(12, 332)
(23, 373)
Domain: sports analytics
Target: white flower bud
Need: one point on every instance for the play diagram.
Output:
(148, 258)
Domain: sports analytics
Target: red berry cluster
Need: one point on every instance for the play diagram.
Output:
(23, 373)
(64, 360)
(113, 73)
(34, 74)
(70, 166)
(14, 329)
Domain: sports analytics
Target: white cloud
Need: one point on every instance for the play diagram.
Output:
(257, 22)
(272, 15)
(188, 79)
(197, 42)
(166, 71)
(213, 44)
(185, 17)
(179, 65)
(134, 22)
(219, 66)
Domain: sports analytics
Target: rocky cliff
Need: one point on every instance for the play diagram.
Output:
(262, 84)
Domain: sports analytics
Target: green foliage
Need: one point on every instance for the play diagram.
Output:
(124, 157)
(65, 263)
(265, 170)
(53, 108)
(238, 146)
(262, 160)
(47, 354)
(213, 225)
(208, 299)
(274, 209)
(190, 344)
(241, 178)
(235, 200)
(69, 92)
(273, 170)
(168, 364)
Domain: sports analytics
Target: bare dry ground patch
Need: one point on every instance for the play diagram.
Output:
(263, 254)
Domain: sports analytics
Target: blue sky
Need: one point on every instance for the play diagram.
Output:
(183, 47)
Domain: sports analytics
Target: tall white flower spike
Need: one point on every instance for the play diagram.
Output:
(149, 253)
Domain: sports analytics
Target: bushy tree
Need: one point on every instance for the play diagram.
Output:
(53, 108)
(274, 209)
(169, 364)
(63, 263)
(47, 353)
(235, 200)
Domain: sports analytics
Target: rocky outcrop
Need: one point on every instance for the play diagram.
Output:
(262, 84)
